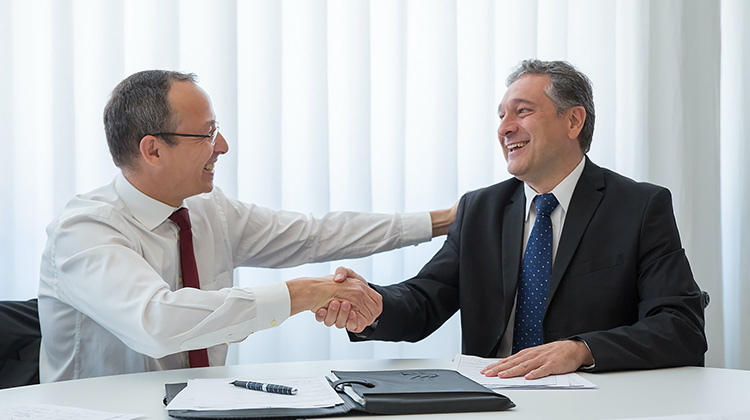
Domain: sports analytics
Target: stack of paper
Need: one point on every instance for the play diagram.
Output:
(470, 366)
(220, 394)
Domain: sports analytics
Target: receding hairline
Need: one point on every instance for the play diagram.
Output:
(524, 100)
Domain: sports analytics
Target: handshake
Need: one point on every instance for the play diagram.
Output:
(343, 299)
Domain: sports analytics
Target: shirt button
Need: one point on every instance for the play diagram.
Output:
(274, 323)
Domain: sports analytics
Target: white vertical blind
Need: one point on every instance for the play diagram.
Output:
(735, 188)
(386, 105)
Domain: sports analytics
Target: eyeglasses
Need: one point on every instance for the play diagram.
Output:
(212, 135)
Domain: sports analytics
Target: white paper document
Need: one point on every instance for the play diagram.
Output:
(470, 366)
(220, 394)
(712, 416)
(57, 412)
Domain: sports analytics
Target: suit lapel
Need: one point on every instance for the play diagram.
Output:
(586, 198)
(511, 247)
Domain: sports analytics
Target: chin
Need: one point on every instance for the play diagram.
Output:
(514, 170)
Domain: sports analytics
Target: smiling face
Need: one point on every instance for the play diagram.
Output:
(540, 146)
(189, 164)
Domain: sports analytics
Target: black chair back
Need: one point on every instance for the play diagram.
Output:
(20, 338)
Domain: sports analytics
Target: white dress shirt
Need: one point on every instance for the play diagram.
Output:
(563, 193)
(110, 298)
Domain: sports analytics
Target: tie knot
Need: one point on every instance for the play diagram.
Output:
(182, 218)
(545, 204)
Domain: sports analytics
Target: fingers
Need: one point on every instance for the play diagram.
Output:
(349, 303)
(352, 324)
(341, 315)
(320, 314)
(518, 364)
(554, 358)
(334, 307)
(365, 301)
(342, 273)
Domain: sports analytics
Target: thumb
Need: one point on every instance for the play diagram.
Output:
(342, 273)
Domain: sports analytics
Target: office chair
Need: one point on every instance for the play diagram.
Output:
(705, 299)
(20, 338)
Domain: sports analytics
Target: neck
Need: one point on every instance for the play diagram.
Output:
(151, 187)
(547, 182)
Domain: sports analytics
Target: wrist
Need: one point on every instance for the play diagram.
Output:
(441, 221)
(303, 294)
(586, 358)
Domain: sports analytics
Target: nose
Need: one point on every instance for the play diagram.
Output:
(507, 126)
(221, 146)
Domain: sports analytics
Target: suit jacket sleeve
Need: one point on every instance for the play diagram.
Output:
(414, 309)
(669, 330)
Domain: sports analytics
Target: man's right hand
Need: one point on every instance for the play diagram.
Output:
(355, 302)
(339, 313)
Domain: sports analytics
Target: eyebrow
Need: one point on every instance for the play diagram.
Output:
(516, 101)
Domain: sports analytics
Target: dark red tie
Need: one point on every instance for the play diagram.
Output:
(198, 358)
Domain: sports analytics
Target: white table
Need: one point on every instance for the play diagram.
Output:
(620, 395)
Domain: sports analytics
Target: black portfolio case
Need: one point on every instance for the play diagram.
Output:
(413, 391)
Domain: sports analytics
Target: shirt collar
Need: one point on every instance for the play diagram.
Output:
(563, 191)
(148, 211)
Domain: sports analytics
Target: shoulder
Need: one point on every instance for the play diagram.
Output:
(100, 204)
(629, 189)
(500, 193)
(92, 219)
(616, 186)
(216, 205)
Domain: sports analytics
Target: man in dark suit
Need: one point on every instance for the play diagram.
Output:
(619, 290)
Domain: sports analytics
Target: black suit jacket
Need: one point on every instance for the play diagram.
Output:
(620, 280)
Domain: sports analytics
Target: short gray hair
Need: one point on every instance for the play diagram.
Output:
(138, 106)
(568, 88)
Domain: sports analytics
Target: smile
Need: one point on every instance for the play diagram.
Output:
(208, 167)
(515, 146)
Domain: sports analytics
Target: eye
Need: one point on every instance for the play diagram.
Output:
(501, 116)
(524, 110)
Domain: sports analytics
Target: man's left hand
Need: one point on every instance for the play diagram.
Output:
(554, 358)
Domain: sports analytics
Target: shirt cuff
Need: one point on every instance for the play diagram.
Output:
(585, 368)
(367, 332)
(273, 304)
(415, 228)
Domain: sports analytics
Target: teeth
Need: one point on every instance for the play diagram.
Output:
(208, 167)
(516, 145)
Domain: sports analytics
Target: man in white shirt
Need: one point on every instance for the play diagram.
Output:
(110, 296)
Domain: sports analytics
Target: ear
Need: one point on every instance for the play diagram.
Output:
(576, 118)
(150, 148)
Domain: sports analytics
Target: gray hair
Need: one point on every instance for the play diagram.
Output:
(138, 106)
(568, 88)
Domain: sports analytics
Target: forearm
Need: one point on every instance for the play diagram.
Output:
(662, 340)
(285, 239)
(442, 220)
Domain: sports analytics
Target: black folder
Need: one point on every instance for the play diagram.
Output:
(413, 391)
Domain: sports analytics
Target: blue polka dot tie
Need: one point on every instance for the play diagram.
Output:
(536, 270)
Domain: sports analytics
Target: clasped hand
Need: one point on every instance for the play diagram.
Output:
(342, 313)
